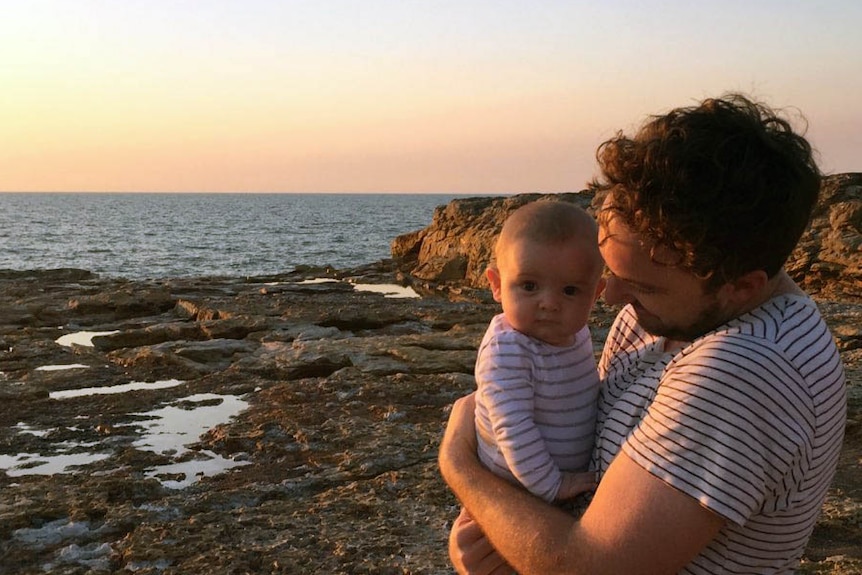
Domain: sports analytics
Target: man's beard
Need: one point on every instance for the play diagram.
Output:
(708, 319)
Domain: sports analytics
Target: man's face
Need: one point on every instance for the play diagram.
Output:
(667, 300)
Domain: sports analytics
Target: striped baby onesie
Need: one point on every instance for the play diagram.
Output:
(535, 406)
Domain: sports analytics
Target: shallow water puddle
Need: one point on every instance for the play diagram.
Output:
(52, 532)
(133, 386)
(26, 429)
(84, 338)
(37, 464)
(167, 431)
(388, 290)
(181, 475)
(62, 367)
(173, 427)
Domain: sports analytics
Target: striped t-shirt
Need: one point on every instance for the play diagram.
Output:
(535, 406)
(747, 419)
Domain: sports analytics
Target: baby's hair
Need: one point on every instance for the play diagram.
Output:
(547, 221)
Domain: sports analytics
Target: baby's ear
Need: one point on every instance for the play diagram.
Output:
(493, 275)
(600, 287)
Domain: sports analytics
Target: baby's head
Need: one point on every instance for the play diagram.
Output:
(547, 270)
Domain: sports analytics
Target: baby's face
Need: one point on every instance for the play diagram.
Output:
(548, 290)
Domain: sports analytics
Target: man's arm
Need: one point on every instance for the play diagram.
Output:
(636, 524)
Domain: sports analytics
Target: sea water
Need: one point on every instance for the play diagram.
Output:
(147, 235)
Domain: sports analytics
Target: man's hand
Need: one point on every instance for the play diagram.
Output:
(460, 437)
(470, 551)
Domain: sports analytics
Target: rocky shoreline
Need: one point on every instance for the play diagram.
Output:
(329, 401)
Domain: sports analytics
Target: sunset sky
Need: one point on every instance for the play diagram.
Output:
(455, 96)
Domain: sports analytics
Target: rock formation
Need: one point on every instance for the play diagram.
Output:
(828, 259)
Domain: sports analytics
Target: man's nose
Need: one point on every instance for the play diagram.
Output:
(616, 292)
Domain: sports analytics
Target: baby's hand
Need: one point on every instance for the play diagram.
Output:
(576, 483)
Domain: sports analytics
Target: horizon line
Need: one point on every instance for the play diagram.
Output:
(327, 192)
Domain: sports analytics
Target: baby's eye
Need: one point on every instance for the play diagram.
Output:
(530, 286)
(570, 290)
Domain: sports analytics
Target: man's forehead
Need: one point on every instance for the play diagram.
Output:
(613, 229)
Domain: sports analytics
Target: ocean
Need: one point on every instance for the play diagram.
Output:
(150, 236)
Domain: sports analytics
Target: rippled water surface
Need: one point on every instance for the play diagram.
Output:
(164, 235)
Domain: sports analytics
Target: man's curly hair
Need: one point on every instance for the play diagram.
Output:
(727, 185)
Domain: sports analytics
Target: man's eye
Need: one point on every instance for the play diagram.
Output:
(529, 286)
(643, 290)
(570, 290)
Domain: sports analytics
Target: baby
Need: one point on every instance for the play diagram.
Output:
(535, 371)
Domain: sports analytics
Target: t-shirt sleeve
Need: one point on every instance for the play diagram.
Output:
(729, 426)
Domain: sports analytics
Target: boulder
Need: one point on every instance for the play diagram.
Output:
(828, 259)
(125, 301)
(151, 335)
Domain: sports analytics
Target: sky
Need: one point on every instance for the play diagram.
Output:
(407, 96)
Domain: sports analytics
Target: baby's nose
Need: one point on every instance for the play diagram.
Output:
(550, 301)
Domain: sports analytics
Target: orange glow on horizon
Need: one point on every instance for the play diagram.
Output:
(401, 97)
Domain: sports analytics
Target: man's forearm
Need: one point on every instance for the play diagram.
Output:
(529, 533)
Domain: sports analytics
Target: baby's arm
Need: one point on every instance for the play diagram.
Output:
(506, 392)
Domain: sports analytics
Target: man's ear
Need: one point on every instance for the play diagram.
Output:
(493, 276)
(745, 290)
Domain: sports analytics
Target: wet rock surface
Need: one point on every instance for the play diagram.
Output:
(329, 468)
(325, 407)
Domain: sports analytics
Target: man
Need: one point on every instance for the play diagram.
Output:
(723, 403)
